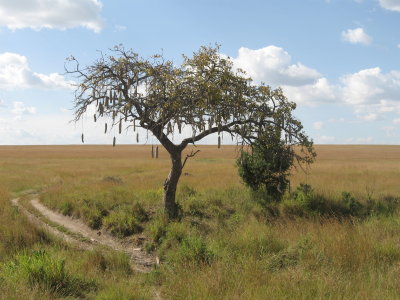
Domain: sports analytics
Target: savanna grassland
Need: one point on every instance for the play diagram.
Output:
(335, 237)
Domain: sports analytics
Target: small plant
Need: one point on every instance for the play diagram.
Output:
(66, 208)
(42, 271)
(194, 249)
(158, 228)
(139, 212)
(187, 191)
(93, 217)
(353, 207)
(121, 224)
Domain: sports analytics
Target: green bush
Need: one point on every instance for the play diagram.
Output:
(139, 212)
(193, 249)
(304, 202)
(121, 224)
(158, 228)
(93, 217)
(47, 273)
(67, 208)
(266, 169)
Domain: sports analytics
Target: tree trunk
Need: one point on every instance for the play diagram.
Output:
(170, 184)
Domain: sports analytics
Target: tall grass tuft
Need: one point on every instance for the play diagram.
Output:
(40, 270)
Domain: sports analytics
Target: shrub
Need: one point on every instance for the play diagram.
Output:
(121, 224)
(66, 208)
(351, 206)
(266, 169)
(47, 273)
(139, 212)
(93, 217)
(158, 228)
(194, 249)
(304, 202)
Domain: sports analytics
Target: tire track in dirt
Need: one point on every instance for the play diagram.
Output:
(140, 260)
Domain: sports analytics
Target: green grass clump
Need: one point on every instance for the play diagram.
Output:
(305, 202)
(67, 208)
(40, 270)
(121, 224)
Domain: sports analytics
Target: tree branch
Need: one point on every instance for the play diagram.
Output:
(192, 154)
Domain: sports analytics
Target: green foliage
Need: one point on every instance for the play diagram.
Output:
(66, 208)
(93, 217)
(158, 228)
(40, 270)
(106, 261)
(121, 224)
(288, 257)
(194, 249)
(139, 213)
(266, 169)
(305, 202)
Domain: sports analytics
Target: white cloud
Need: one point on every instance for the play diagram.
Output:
(60, 14)
(396, 121)
(372, 91)
(319, 91)
(356, 36)
(318, 125)
(20, 108)
(15, 73)
(390, 4)
(273, 65)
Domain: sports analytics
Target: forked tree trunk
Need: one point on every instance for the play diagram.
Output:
(170, 184)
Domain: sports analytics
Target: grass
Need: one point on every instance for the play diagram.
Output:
(340, 242)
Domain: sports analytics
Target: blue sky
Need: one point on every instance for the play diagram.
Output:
(339, 60)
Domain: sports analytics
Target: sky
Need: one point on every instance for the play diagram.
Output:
(339, 60)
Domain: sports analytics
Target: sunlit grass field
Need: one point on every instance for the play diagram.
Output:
(226, 245)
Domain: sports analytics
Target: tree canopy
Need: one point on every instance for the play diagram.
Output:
(204, 93)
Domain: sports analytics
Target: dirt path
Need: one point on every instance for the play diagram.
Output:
(141, 261)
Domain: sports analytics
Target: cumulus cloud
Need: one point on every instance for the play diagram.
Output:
(60, 14)
(356, 36)
(320, 91)
(15, 73)
(273, 65)
(396, 121)
(372, 89)
(370, 92)
(390, 4)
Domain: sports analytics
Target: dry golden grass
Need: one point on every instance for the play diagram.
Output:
(357, 169)
(254, 259)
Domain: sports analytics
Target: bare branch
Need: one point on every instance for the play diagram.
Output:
(192, 154)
